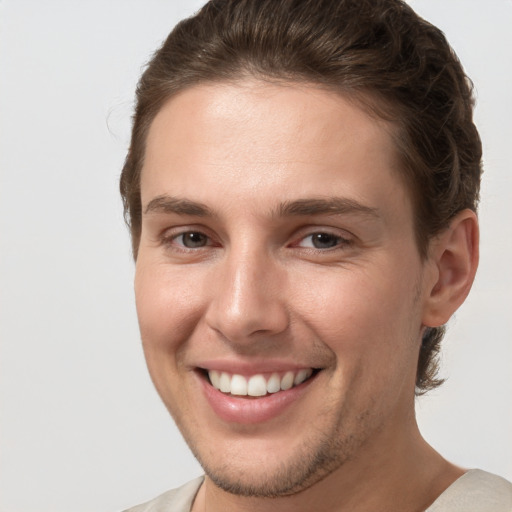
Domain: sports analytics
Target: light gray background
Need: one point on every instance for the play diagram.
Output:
(81, 426)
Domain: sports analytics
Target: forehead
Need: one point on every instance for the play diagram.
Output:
(250, 136)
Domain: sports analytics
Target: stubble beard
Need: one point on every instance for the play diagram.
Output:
(308, 465)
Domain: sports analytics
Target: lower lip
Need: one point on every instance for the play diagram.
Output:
(252, 410)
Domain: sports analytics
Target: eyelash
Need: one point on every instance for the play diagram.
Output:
(171, 240)
(340, 242)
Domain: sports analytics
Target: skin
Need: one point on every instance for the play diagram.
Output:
(254, 289)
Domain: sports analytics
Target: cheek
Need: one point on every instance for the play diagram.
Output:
(167, 306)
(369, 323)
(369, 319)
(167, 310)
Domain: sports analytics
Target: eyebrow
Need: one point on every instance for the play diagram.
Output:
(168, 204)
(326, 206)
(296, 208)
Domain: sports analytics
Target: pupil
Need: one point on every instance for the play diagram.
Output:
(194, 240)
(324, 240)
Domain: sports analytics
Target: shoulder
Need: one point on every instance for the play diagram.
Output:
(176, 500)
(475, 491)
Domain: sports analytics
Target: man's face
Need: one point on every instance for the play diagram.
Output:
(277, 245)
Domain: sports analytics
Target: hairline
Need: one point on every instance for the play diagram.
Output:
(370, 101)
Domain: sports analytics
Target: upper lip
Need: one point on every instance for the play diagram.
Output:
(252, 368)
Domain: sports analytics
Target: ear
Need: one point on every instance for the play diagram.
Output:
(453, 259)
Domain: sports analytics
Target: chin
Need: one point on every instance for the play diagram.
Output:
(241, 473)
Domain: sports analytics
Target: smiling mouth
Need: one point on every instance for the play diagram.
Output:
(258, 385)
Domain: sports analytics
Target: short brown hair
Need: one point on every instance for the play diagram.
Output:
(376, 51)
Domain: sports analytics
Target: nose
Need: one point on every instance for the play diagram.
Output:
(248, 301)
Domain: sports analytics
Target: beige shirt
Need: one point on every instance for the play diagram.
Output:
(475, 491)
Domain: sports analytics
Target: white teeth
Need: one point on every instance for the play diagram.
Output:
(301, 376)
(238, 385)
(274, 383)
(257, 385)
(287, 381)
(225, 383)
(214, 378)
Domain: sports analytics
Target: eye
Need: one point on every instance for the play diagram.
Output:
(322, 240)
(191, 239)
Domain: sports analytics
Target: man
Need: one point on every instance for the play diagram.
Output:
(301, 189)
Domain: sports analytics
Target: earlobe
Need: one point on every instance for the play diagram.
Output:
(454, 258)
